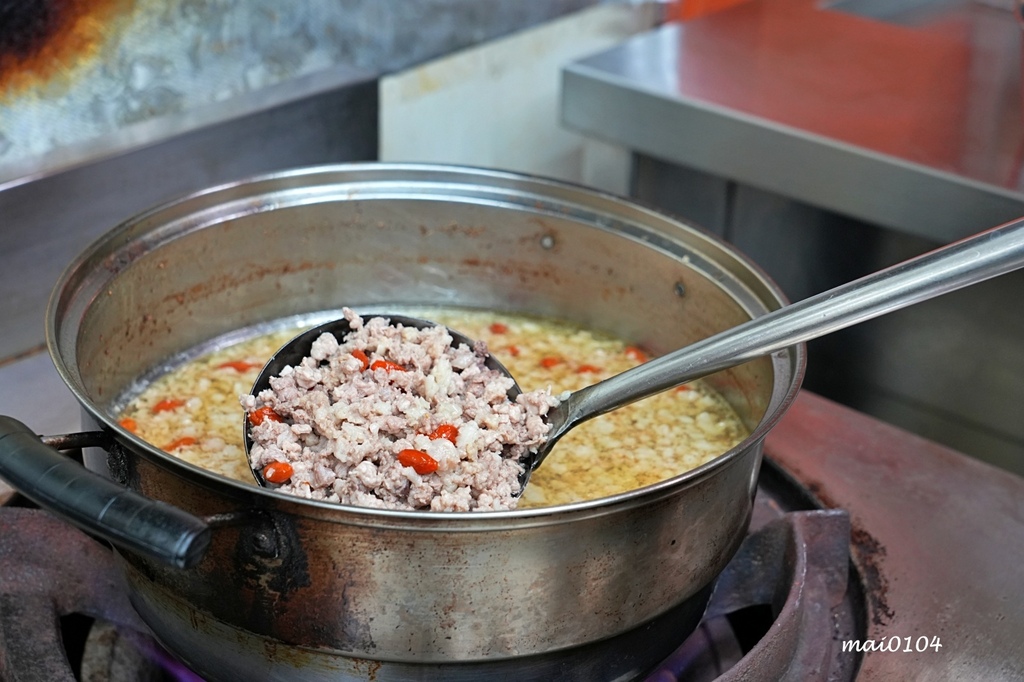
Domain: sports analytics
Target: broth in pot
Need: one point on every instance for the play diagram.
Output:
(193, 411)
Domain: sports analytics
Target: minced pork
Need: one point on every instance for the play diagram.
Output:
(396, 417)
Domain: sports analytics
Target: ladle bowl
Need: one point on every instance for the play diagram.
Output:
(299, 347)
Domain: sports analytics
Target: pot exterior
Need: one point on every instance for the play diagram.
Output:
(411, 589)
(221, 652)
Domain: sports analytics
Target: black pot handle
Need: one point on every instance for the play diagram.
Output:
(96, 504)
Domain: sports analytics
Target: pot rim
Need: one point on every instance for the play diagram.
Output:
(566, 197)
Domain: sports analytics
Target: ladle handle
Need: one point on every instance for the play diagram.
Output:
(951, 267)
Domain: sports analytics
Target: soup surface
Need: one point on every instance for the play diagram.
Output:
(193, 411)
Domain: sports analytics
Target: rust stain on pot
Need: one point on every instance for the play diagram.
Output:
(232, 281)
(272, 568)
(293, 657)
(271, 555)
(531, 238)
(367, 668)
(47, 42)
(523, 272)
(451, 229)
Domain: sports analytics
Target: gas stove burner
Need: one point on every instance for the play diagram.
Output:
(64, 609)
(117, 654)
(785, 603)
(778, 611)
(51, 571)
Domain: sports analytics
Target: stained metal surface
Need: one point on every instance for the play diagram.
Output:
(78, 72)
(73, 71)
(40, 41)
(936, 537)
(914, 127)
(223, 652)
(812, 560)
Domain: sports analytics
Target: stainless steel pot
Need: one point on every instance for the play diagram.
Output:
(318, 591)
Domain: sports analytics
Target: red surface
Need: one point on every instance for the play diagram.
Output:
(944, 94)
(892, 89)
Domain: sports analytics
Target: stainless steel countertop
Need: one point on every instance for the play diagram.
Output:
(913, 122)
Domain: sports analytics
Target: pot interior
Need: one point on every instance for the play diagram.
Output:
(307, 242)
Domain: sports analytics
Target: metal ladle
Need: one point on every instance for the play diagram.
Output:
(948, 268)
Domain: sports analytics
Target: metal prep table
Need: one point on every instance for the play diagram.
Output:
(827, 140)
